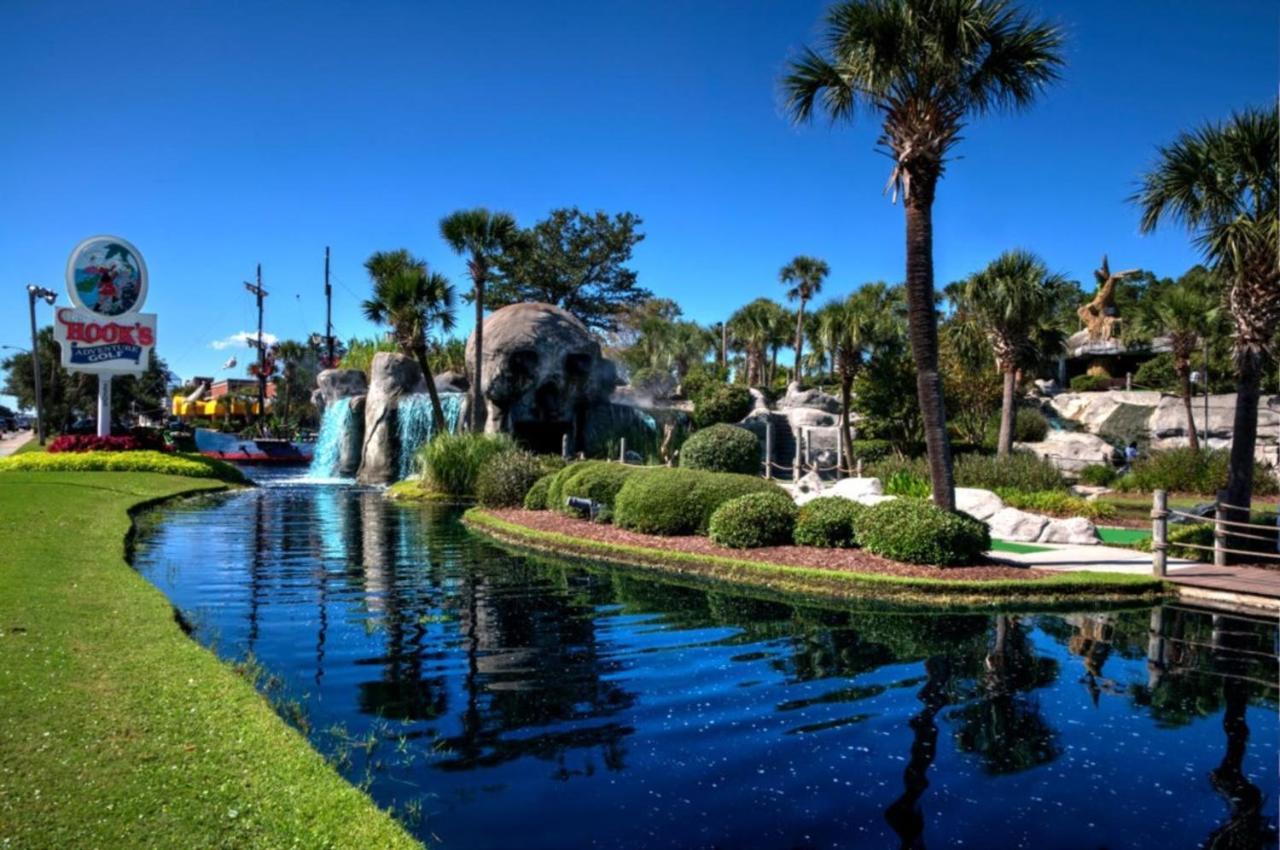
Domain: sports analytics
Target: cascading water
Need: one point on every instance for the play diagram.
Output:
(415, 424)
(334, 426)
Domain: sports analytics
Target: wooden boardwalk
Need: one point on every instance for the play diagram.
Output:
(1252, 586)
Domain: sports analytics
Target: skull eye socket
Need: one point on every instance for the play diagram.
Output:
(577, 366)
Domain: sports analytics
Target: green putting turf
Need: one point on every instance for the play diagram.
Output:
(1123, 536)
(1017, 548)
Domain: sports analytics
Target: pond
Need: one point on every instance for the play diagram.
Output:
(497, 700)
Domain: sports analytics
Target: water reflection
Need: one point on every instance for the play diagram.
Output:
(499, 700)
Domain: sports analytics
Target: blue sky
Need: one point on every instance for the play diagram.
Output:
(218, 135)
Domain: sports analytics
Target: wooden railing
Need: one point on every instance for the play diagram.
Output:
(1231, 537)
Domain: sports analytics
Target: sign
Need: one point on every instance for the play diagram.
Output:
(104, 332)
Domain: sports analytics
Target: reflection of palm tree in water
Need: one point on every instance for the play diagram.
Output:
(904, 815)
(1248, 825)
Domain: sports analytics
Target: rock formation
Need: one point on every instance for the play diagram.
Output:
(542, 376)
(333, 384)
(391, 376)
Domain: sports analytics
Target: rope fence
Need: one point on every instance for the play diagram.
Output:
(1226, 534)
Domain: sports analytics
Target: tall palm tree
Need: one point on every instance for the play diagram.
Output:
(414, 303)
(1185, 314)
(851, 330)
(1008, 300)
(1221, 182)
(757, 327)
(804, 275)
(484, 235)
(925, 67)
(289, 354)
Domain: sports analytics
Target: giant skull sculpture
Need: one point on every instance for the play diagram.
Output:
(542, 375)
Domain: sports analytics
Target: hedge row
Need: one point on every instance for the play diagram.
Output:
(188, 465)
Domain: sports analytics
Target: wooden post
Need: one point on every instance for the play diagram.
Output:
(622, 450)
(839, 458)
(564, 446)
(1128, 380)
(1159, 538)
(1220, 531)
(1155, 647)
(768, 448)
(858, 468)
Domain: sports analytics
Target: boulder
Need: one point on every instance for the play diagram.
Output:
(352, 441)
(452, 382)
(758, 400)
(855, 488)
(1075, 530)
(978, 503)
(809, 417)
(542, 369)
(391, 376)
(1071, 451)
(1015, 525)
(813, 398)
(333, 384)
(808, 488)
(872, 499)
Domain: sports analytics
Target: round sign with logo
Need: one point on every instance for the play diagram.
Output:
(107, 276)
(103, 331)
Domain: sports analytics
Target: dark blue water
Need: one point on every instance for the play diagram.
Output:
(500, 701)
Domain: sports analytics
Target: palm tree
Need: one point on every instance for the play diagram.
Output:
(1008, 300)
(484, 235)
(289, 354)
(1221, 183)
(851, 330)
(925, 66)
(804, 275)
(413, 302)
(1184, 313)
(756, 327)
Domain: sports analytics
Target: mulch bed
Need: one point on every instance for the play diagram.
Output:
(846, 560)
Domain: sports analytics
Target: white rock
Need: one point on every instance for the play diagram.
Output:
(1071, 451)
(809, 417)
(1076, 530)
(977, 503)
(855, 488)
(1020, 526)
(871, 499)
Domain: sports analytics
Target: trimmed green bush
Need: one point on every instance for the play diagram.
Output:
(536, 498)
(828, 522)
(754, 520)
(1184, 471)
(451, 462)
(905, 482)
(1090, 383)
(722, 448)
(659, 500)
(721, 403)
(918, 532)
(167, 463)
(597, 480)
(1029, 425)
(1098, 474)
(504, 479)
(870, 451)
(1157, 374)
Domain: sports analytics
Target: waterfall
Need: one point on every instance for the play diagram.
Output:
(415, 424)
(334, 426)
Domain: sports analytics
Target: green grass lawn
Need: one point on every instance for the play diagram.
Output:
(32, 445)
(1123, 536)
(116, 729)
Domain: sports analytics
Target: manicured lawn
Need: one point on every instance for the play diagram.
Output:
(1123, 536)
(32, 445)
(117, 730)
(1019, 548)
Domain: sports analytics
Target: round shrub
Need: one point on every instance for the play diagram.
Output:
(505, 479)
(828, 522)
(721, 403)
(597, 480)
(451, 462)
(536, 498)
(1029, 425)
(658, 500)
(722, 448)
(754, 520)
(918, 532)
(1090, 383)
